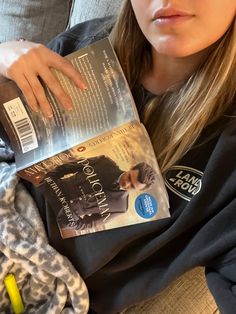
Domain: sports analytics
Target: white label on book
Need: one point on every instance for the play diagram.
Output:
(22, 124)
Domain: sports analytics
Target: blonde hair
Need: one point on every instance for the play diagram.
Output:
(176, 119)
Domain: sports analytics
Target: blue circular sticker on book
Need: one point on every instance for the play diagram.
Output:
(146, 205)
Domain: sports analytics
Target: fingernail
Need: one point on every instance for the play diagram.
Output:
(34, 107)
(68, 106)
(83, 86)
(49, 114)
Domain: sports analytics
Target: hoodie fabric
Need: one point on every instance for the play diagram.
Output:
(127, 265)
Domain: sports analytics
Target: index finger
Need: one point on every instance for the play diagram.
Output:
(66, 67)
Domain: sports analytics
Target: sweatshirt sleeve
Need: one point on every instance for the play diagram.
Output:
(82, 35)
(221, 280)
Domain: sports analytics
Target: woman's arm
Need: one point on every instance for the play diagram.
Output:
(27, 63)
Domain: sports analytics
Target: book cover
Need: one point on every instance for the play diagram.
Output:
(95, 164)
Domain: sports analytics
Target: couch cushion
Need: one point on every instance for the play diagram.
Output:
(36, 20)
(88, 9)
(186, 295)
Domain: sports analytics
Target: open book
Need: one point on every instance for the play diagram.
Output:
(95, 163)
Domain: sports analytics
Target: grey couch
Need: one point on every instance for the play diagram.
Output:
(40, 21)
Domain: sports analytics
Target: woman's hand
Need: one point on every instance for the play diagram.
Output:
(25, 62)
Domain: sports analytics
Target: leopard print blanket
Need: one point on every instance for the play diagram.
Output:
(47, 281)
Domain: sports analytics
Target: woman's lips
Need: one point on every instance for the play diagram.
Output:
(170, 17)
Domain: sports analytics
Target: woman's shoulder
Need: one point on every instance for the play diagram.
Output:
(82, 35)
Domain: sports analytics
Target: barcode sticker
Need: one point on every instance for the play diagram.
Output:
(22, 124)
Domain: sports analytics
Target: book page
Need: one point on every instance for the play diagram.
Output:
(105, 104)
(110, 181)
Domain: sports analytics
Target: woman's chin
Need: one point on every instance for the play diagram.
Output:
(174, 49)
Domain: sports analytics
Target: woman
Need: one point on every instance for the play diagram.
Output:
(179, 58)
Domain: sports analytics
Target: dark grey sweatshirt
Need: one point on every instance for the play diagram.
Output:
(131, 264)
